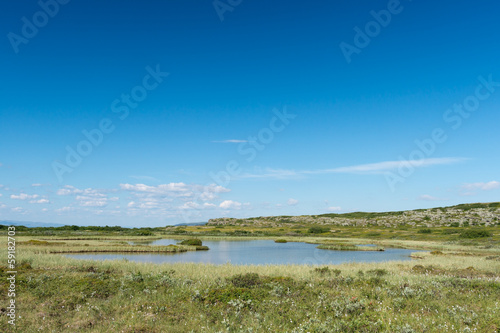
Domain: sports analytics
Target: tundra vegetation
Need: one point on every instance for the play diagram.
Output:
(453, 287)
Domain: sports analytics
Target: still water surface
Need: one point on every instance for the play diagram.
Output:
(255, 252)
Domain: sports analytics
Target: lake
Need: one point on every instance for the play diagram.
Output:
(255, 252)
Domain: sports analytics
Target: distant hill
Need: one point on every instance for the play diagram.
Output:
(480, 214)
(30, 224)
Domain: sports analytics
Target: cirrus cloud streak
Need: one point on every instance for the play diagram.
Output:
(370, 168)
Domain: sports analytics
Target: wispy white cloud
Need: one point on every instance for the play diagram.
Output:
(40, 185)
(68, 190)
(89, 201)
(147, 203)
(274, 174)
(427, 197)
(88, 197)
(171, 197)
(230, 204)
(481, 186)
(64, 209)
(292, 202)
(334, 209)
(169, 200)
(40, 201)
(231, 141)
(371, 168)
(382, 167)
(190, 205)
(194, 205)
(24, 196)
(164, 189)
(209, 205)
(33, 198)
(178, 190)
(71, 190)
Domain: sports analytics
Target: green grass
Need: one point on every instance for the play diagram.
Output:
(106, 245)
(192, 241)
(292, 231)
(456, 285)
(58, 294)
(348, 247)
(475, 233)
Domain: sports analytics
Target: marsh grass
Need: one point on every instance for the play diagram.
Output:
(99, 246)
(192, 241)
(119, 249)
(450, 291)
(349, 247)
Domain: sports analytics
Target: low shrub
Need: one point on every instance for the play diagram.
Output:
(426, 269)
(475, 233)
(378, 272)
(325, 270)
(224, 295)
(192, 242)
(143, 233)
(322, 270)
(245, 280)
(317, 230)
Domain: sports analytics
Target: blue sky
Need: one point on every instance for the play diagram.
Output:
(198, 109)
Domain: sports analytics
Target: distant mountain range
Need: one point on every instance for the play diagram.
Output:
(463, 214)
(30, 224)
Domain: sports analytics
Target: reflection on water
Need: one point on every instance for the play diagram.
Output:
(256, 252)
